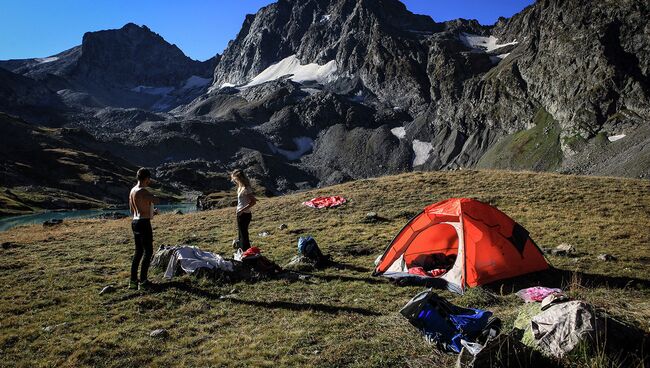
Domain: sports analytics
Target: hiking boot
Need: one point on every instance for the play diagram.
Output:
(133, 285)
(146, 285)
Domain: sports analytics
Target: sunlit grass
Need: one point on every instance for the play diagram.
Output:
(337, 318)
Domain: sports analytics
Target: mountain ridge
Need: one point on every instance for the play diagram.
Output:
(317, 92)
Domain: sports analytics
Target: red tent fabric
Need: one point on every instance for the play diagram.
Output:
(486, 243)
(324, 202)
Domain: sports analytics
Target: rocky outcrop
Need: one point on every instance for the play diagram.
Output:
(127, 67)
(372, 40)
(23, 96)
(585, 62)
(465, 86)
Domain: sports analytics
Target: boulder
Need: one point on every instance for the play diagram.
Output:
(51, 328)
(160, 333)
(606, 257)
(107, 289)
(52, 222)
(564, 249)
(112, 216)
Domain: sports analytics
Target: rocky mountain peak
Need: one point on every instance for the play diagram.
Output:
(134, 55)
(358, 36)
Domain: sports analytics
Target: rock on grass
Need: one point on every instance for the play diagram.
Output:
(160, 333)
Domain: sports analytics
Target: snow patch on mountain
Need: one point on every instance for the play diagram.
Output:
(614, 138)
(299, 73)
(196, 82)
(47, 59)
(482, 43)
(422, 152)
(303, 144)
(153, 90)
(358, 97)
(399, 132)
(311, 91)
(496, 59)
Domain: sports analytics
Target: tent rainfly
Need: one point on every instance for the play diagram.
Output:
(487, 245)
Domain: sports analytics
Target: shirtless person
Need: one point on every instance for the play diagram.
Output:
(141, 203)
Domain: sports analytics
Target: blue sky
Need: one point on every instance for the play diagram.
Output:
(38, 28)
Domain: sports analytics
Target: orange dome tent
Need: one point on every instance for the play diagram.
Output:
(483, 244)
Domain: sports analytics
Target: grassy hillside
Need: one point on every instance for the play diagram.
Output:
(537, 148)
(51, 277)
(47, 168)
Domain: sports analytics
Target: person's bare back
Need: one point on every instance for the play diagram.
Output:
(141, 203)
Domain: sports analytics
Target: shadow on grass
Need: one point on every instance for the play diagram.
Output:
(559, 278)
(325, 308)
(368, 280)
(346, 266)
(206, 294)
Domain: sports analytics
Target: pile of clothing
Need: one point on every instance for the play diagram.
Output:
(549, 327)
(189, 259)
(261, 266)
(249, 265)
(432, 265)
(448, 326)
(553, 323)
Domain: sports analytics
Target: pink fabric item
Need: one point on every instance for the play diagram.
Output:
(437, 272)
(536, 293)
(421, 272)
(324, 202)
(418, 271)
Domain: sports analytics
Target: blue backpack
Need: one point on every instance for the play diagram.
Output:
(307, 247)
(445, 324)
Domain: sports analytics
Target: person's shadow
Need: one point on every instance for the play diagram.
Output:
(274, 304)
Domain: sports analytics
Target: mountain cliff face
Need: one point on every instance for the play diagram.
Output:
(378, 42)
(21, 95)
(465, 87)
(316, 92)
(586, 63)
(126, 67)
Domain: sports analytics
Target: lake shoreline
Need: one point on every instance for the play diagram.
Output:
(9, 222)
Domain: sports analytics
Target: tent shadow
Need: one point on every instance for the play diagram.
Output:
(559, 278)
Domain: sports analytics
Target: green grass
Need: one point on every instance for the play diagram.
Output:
(24, 200)
(339, 317)
(535, 149)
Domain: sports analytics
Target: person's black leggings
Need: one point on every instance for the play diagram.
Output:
(143, 235)
(243, 221)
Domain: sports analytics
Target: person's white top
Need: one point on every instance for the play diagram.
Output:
(244, 198)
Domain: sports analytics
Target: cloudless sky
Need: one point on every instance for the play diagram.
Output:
(201, 28)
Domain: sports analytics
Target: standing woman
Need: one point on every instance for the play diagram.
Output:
(245, 201)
